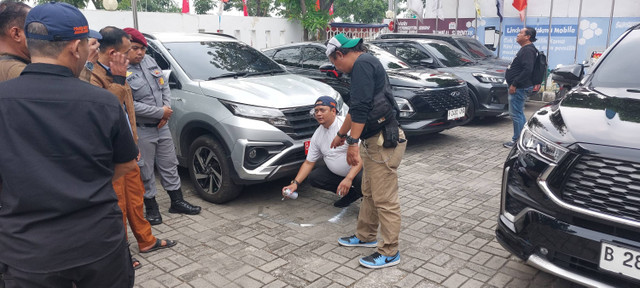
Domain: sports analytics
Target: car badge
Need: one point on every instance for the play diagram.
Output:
(455, 94)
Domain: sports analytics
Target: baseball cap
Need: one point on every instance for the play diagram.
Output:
(341, 41)
(136, 36)
(326, 101)
(63, 22)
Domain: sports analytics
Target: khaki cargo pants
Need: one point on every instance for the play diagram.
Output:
(380, 205)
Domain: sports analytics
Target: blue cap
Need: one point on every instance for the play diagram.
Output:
(327, 101)
(63, 22)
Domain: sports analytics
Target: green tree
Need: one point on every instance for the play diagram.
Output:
(313, 21)
(363, 11)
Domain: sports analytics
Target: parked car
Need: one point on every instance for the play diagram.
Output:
(238, 117)
(571, 187)
(488, 89)
(469, 45)
(429, 101)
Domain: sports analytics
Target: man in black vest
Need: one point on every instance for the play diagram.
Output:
(370, 91)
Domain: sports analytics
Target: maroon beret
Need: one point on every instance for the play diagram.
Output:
(136, 36)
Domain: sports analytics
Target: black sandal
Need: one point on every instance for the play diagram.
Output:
(134, 261)
(159, 245)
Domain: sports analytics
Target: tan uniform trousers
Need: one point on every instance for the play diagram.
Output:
(130, 191)
(380, 205)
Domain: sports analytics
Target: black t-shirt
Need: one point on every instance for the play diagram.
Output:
(368, 78)
(520, 70)
(59, 140)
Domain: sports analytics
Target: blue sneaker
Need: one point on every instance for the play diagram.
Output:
(377, 260)
(353, 241)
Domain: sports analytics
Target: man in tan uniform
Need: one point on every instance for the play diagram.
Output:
(110, 73)
(14, 55)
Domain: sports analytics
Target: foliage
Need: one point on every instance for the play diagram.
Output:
(363, 11)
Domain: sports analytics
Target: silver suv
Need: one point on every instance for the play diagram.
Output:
(239, 118)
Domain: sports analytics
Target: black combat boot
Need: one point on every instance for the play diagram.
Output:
(178, 205)
(153, 213)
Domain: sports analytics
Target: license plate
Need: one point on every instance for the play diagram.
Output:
(455, 113)
(620, 260)
(306, 147)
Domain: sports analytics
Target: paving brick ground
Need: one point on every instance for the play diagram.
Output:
(449, 193)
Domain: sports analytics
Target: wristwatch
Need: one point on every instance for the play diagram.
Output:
(351, 140)
(294, 181)
(342, 135)
(89, 65)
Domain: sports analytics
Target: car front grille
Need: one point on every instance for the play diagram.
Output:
(300, 123)
(446, 99)
(605, 185)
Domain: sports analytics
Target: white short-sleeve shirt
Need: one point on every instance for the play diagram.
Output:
(320, 146)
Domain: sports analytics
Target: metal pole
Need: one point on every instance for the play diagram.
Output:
(134, 9)
(613, 3)
(476, 24)
(457, 7)
(549, 33)
(500, 35)
(575, 54)
(437, 6)
(525, 15)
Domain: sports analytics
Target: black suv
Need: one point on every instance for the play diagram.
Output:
(429, 101)
(571, 188)
(488, 89)
(469, 45)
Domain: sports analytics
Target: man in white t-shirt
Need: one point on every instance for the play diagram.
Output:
(336, 175)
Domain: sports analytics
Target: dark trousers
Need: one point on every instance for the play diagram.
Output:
(113, 271)
(322, 178)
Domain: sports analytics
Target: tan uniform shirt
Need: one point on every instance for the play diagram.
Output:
(11, 66)
(102, 78)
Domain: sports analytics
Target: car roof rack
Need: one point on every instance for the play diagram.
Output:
(218, 34)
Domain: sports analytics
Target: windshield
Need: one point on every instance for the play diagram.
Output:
(208, 60)
(387, 59)
(449, 56)
(474, 47)
(620, 68)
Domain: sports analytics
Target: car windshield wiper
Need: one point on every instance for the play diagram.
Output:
(265, 72)
(232, 74)
(468, 63)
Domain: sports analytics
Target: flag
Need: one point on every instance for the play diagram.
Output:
(244, 8)
(185, 6)
(416, 7)
(477, 8)
(499, 5)
(317, 5)
(331, 9)
(520, 5)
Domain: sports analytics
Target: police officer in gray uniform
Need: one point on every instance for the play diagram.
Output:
(151, 97)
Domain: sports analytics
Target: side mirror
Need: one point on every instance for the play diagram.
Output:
(427, 62)
(330, 70)
(173, 81)
(283, 67)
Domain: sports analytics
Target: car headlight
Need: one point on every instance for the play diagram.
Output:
(405, 107)
(533, 143)
(343, 108)
(488, 78)
(272, 116)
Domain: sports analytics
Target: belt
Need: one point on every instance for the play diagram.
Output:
(147, 124)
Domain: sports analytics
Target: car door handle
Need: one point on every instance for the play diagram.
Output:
(178, 99)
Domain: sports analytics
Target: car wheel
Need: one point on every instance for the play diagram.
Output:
(471, 108)
(210, 171)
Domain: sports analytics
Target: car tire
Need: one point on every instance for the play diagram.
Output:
(210, 171)
(471, 108)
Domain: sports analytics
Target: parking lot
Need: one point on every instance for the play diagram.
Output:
(449, 193)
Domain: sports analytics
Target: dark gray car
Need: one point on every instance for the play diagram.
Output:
(467, 44)
(487, 86)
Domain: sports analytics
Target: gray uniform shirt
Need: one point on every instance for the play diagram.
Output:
(150, 90)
